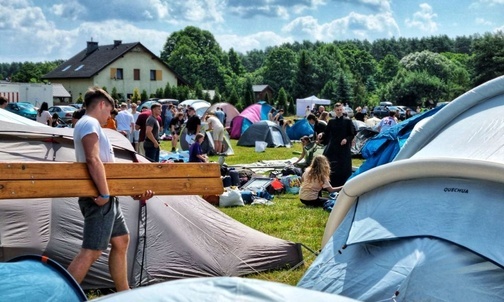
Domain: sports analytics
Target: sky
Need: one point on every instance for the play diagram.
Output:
(46, 30)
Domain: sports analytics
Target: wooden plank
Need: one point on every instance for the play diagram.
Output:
(58, 170)
(17, 189)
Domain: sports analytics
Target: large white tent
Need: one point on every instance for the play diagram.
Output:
(427, 226)
(309, 101)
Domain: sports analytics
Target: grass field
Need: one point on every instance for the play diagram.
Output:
(287, 218)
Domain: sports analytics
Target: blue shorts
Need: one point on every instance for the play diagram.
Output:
(101, 223)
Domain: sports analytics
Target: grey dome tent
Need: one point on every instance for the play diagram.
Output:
(426, 226)
(172, 237)
(266, 131)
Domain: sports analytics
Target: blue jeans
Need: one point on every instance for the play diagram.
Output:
(152, 153)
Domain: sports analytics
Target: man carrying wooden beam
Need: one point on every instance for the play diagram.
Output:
(103, 219)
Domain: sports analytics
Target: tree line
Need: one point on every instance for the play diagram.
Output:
(405, 71)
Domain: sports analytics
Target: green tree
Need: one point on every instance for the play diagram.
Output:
(196, 56)
(248, 93)
(281, 102)
(412, 88)
(167, 91)
(280, 68)
(136, 95)
(144, 97)
(488, 57)
(291, 109)
(217, 96)
(344, 89)
(233, 98)
(305, 76)
(198, 90)
(235, 63)
(387, 69)
(114, 94)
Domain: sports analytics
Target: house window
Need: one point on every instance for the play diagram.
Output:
(136, 74)
(156, 75)
(119, 74)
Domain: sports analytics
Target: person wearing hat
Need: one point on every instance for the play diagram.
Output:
(217, 128)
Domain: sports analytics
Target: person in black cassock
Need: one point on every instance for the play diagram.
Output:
(337, 137)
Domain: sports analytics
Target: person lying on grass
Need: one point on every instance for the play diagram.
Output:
(314, 179)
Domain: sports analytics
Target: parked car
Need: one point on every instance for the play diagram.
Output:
(64, 112)
(24, 109)
(77, 106)
(349, 111)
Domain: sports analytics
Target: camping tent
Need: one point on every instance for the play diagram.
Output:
(264, 131)
(36, 278)
(251, 114)
(172, 237)
(228, 109)
(300, 128)
(311, 101)
(222, 289)
(425, 226)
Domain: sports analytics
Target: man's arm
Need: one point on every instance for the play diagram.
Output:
(95, 166)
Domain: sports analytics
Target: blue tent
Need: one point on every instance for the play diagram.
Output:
(426, 226)
(37, 278)
(299, 129)
(382, 148)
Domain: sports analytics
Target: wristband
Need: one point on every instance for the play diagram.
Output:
(105, 196)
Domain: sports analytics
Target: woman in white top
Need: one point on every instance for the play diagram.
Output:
(43, 115)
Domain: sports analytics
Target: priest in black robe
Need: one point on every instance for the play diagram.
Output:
(337, 137)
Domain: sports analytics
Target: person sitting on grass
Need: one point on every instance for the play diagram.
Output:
(309, 149)
(314, 179)
(195, 153)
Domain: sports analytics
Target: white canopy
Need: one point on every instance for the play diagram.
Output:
(309, 101)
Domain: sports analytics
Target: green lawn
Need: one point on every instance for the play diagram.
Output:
(287, 218)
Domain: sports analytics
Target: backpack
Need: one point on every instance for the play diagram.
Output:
(276, 187)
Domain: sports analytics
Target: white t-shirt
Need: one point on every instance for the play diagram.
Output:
(386, 123)
(124, 120)
(86, 126)
(215, 122)
(44, 117)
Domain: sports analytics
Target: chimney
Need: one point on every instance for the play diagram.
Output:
(91, 46)
(117, 43)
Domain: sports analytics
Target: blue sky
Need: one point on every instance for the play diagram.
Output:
(44, 30)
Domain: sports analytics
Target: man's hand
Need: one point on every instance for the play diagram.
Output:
(146, 195)
(343, 142)
(100, 200)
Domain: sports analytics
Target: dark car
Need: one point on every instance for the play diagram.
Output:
(383, 111)
(24, 109)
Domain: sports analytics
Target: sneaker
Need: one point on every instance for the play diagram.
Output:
(173, 150)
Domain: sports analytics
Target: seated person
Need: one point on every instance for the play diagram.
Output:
(314, 179)
(195, 153)
(309, 149)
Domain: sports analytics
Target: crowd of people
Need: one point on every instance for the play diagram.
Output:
(146, 128)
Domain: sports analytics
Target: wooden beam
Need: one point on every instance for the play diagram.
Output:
(43, 180)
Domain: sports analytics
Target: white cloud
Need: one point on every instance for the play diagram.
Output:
(259, 40)
(106, 32)
(353, 26)
(492, 2)
(69, 10)
(482, 21)
(423, 19)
